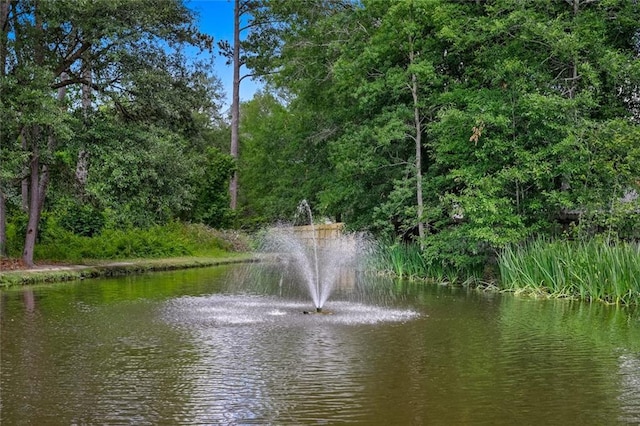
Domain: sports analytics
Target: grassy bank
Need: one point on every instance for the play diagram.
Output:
(117, 252)
(594, 270)
(59, 273)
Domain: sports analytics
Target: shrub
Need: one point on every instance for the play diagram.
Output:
(171, 240)
(84, 220)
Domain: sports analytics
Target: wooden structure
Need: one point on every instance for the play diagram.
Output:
(325, 234)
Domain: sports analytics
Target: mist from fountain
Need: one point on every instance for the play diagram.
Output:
(318, 262)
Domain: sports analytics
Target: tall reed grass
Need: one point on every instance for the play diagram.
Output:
(407, 260)
(594, 270)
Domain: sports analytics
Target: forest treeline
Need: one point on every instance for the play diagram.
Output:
(464, 126)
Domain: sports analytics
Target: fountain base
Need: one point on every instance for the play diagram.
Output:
(318, 311)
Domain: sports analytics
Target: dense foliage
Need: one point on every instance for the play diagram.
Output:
(106, 123)
(460, 126)
(527, 117)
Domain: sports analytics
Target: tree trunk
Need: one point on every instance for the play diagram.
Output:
(82, 170)
(418, 141)
(82, 164)
(3, 225)
(235, 104)
(31, 139)
(35, 200)
(24, 184)
(39, 174)
(4, 30)
(4, 26)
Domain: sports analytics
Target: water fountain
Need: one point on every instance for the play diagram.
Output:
(318, 261)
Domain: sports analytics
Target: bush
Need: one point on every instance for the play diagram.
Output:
(171, 240)
(85, 220)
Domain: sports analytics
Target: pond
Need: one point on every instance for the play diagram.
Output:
(231, 345)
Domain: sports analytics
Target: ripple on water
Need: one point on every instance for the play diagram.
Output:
(260, 359)
(243, 309)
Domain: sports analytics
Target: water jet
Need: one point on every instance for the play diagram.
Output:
(319, 253)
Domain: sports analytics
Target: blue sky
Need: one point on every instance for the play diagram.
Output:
(216, 19)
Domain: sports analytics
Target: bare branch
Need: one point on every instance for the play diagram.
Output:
(74, 79)
(72, 58)
(254, 24)
(252, 75)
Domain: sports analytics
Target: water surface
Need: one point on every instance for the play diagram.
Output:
(230, 345)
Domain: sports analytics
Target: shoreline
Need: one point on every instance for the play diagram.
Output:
(62, 272)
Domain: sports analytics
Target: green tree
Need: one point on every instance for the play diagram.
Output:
(515, 132)
(130, 48)
(391, 77)
(244, 20)
(282, 162)
(292, 46)
(520, 113)
(211, 204)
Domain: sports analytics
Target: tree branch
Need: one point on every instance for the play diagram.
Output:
(75, 80)
(252, 75)
(254, 24)
(72, 58)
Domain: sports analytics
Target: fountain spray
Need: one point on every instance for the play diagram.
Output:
(319, 266)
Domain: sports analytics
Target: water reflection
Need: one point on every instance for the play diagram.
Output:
(261, 358)
(230, 346)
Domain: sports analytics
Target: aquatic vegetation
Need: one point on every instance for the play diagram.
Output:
(407, 260)
(595, 270)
